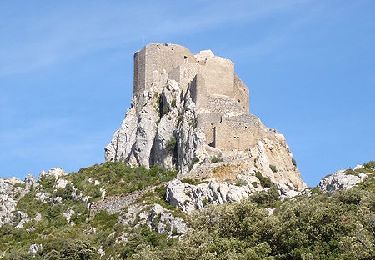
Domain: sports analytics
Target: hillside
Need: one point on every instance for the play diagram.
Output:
(189, 174)
(113, 211)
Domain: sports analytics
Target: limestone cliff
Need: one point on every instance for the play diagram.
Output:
(191, 112)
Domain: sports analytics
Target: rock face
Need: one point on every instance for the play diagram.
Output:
(341, 180)
(190, 112)
(11, 190)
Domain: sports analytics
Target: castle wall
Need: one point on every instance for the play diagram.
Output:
(139, 72)
(218, 74)
(230, 133)
(241, 93)
(157, 57)
(234, 136)
(198, 91)
(184, 74)
(207, 122)
(214, 87)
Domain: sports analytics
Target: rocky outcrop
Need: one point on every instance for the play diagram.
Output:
(134, 213)
(341, 180)
(190, 197)
(11, 190)
(35, 249)
(154, 216)
(189, 112)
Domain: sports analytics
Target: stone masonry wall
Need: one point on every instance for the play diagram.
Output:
(158, 57)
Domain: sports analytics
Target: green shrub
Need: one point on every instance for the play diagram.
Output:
(216, 159)
(369, 165)
(240, 183)
(273, 168)
(171, 145)
(118, 178)
(294, 162)
(264, 181)
(192, 181)
(266, 198)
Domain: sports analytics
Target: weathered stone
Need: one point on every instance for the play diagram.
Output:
(188, 110)
(54, 172)
(190, 197)
(35, 249)
(68, 215)
(341, 180)
(61, 183)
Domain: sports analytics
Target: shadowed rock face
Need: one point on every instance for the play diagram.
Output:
(190, 112)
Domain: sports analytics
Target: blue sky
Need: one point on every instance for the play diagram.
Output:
(66, 73)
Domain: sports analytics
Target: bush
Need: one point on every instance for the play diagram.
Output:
(118, 178)
(370, 165)
(266, 198)
(171, 145)
(61, 248)
(216, 159)
(264, 181)
(273, 168)
(294, 162)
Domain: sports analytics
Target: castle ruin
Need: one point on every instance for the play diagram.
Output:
(190, 112)
(214, 87)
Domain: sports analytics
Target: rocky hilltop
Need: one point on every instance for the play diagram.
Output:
(191, 113)
(187, 148)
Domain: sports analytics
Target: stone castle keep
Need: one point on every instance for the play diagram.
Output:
(214, 87)
(191, 113)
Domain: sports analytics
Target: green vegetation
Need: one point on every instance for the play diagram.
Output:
(338, 225)
(323, 226)
(240, 182)
(118, 179)
(368, 168)
(264, 181)
(171, 145)
(294, 162)
(192, 181)
(173, 104)
(216, 159)
(79, 241)
(273, 168)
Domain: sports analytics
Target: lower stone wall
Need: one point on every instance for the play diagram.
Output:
(230, 133)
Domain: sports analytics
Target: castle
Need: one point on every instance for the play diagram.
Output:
(214, 87)
(190, 112)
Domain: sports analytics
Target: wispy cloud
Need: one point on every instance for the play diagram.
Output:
(35, 38)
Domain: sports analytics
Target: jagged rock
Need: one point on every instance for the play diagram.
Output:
(155, 217)
(68, 215)
(43, 197)
(21, 218)
(61, 184)
(38, 217)
(11, 191)
(190, 197)
(95, 182)
(270, 211)
(188, 109)
(54, 172)
(30, 182)
(8, 201)
(162, 221)
(341, 180)
(35, 249)
(101, 251)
